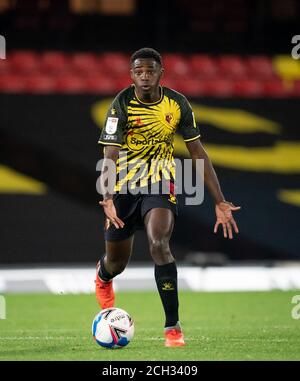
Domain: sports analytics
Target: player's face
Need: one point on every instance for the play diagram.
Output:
(146, 73)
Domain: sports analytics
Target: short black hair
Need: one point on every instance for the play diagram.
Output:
(146, 53)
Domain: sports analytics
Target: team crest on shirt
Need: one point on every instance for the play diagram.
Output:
(169, 117)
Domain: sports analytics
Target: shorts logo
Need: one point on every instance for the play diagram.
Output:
(111, 125)
(172, 199)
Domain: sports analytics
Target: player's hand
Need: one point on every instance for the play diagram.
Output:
(111, 214)
(224, 217)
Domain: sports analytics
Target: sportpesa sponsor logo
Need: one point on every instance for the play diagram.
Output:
(137, 142)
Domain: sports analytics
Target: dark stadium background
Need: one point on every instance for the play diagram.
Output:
(66, 57)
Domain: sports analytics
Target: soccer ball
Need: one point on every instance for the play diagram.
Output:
(113, 328)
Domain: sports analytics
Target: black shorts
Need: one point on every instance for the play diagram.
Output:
(131, 209)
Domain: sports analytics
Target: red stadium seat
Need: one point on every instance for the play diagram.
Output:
(190, 87)
(248, 88)
(259, 67)
(172, 83)
(296, 89)
(12, 84)
(40, 83)
(5, 67)
(276, 88)
(203, 66)
(115, 64)
(218, 88)
(23, 62)
(69, 84)
(101, 85)
(232, 67)
(123, 82)
(175, 65)
(85, 63)
(54, 63)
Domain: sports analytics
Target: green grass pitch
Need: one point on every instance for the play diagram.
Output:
(217, 326)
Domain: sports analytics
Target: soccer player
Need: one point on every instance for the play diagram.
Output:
(139, 128)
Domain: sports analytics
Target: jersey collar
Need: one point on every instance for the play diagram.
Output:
(153, 103)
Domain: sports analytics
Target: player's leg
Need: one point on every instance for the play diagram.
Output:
(118, 247)
(117, 254)
(159, 223)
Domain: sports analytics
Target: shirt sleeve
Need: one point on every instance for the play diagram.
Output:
(114, 126)
(187, 126)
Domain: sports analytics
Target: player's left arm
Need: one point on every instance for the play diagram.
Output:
(223, 208)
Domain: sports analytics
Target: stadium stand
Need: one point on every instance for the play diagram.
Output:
(193, 74)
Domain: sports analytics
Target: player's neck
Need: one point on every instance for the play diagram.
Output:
(151, 97)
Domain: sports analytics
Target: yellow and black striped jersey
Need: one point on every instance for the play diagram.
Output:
(145, 133)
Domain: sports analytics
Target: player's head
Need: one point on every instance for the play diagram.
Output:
(146, 69)
(147, 53)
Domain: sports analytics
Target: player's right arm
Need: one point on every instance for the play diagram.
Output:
(112, 139)
(111, 154)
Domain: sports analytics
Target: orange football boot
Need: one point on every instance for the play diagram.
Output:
(174, 338)
(104, 291)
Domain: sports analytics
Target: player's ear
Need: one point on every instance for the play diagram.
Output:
(131, 74)
(162, 70)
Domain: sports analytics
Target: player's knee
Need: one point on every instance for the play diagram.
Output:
(160, 245)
